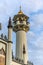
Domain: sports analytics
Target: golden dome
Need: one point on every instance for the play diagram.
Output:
(20, 12)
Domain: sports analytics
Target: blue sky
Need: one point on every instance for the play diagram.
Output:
(33, 9)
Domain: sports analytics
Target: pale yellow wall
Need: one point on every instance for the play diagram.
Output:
(2, 59)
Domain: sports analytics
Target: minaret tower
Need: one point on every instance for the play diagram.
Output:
(9, 45)
(21, 26)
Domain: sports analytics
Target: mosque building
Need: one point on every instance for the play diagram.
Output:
(20, 26)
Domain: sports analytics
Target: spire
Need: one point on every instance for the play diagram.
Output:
(20, 12)
(20, 8)
(10, 22)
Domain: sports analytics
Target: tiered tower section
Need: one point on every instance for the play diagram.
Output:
(21, 26)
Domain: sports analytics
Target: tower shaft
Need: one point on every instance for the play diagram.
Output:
(9, 45)
(20, 41)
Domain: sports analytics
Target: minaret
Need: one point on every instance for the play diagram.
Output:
(21, 26)
(9, 45)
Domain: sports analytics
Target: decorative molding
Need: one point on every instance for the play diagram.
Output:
(3, 41)
(10, 42)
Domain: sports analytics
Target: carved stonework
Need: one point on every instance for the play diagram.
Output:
(2, 51)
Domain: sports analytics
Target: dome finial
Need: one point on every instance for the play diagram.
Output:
(20, 12)
(20, 7)
(9, 22)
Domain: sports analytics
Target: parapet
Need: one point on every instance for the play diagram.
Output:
(4, 37)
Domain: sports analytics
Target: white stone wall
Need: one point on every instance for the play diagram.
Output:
(9, 34)
(2, 45)
(9, 48)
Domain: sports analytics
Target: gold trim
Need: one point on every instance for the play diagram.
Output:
(21, 27)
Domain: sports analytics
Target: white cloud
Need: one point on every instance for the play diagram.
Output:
(37, 22)
(31, 37)
(32, 5)
(30, 34)
(36, 57)
(8, 7)
(35, 39)
(39, 41)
